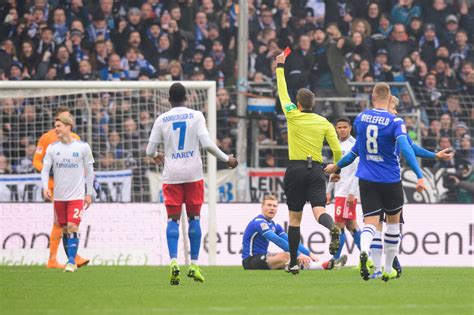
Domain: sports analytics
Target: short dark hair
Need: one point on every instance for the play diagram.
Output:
(343, 119)
(62, 109)
(177, 94)
(306, 98)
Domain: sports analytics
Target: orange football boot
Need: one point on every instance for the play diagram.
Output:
(81, 262)
(53, 264)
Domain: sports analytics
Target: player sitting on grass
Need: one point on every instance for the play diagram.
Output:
(261, 231)
(71, 161)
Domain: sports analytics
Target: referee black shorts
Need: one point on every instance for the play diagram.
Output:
(302, 184)
(380, 198)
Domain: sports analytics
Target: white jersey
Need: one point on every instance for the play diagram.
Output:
(68, 161)
(180, 129)
(349, 183)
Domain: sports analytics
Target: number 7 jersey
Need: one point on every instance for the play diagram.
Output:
(179, 129)
(376, 145)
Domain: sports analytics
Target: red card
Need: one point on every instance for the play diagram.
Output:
(287, 51)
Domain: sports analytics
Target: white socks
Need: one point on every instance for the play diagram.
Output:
(391, 242)
(376, 249)
(366, 236)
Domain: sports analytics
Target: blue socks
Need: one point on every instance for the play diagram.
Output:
(194, 233)
(172, 236)
(342, 241)
(356, 235)
(72, 245)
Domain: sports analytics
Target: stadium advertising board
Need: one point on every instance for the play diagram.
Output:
(116, 186)
(134, 234)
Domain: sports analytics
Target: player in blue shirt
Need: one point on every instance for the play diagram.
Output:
(376, 247)
(378, 134)
(261, 231)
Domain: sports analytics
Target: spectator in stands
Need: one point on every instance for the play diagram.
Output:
(403, 11)
(28, 57)
(382, 70)
(444, 143)
(466, 69)
(328, 78)
(115, 145)
(75, 46)
(430, 140)
(469, 88)
(431, 89)
(373, 16)
(385, 27)
(399, 46)
(454, 108)
(99, 56)
(466, 10)
(361, 48)
(460, 130)
(59, 26)
(134, 65)
(415, 29)
(445, 76)
(446, 126)
(106, 7)
(436, 14)
(47, 42)
(448, 35)
(5, 56)
(66, 66)
(5, 167)
(114, 72)
(201, 28)
(226, 114)
(9, 116)
(145, 125)
(462, 52)
(298, 66)
(466, 150)
(409, 73)
(131, 136)
(85, 71)
(98, 29)
(109, 163)
(226, 146)
(25, 164)
(428, 44)
(211, 73)
(264, 21)
(15, 72)
(175, 71)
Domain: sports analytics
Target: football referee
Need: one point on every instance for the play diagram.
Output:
(304, 178)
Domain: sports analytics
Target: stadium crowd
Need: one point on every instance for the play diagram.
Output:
(428, 43)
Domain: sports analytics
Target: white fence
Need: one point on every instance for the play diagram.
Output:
(134, 234)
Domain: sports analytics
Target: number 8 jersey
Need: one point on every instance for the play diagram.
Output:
(377, 133)
(180, 129)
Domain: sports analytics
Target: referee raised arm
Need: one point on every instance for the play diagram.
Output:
(304, 178)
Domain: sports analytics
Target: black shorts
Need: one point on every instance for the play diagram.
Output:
(302, 184)
(256, 262)
(379, 198)
(383, 219)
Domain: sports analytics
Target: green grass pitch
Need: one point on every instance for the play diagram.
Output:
(230, 290)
